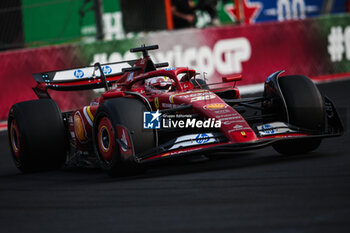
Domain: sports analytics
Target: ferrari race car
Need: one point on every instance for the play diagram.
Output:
(149, 113)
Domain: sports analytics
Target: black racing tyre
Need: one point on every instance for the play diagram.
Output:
(127, 113)
(37, 135)
(201, 82)
(305, 110)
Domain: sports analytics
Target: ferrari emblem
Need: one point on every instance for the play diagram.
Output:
(156, 102)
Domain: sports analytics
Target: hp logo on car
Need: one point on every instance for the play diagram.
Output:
(79, 73)
(268, 129)
(202, 138)
(107, 69)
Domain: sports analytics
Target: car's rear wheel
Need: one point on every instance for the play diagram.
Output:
(305, 109)
(119, 136)
(37, 135)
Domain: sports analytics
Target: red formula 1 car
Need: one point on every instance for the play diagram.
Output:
(150, 113)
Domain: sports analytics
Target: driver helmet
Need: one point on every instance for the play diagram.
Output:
(158, 84)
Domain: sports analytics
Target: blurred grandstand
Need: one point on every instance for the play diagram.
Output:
(33, 23)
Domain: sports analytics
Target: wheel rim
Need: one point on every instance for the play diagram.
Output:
(14, 137)
(106, 139)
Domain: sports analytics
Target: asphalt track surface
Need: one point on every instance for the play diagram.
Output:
(258, 191)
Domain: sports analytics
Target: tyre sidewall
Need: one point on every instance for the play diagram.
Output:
(41, 132)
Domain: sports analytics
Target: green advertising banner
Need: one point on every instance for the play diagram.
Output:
(51, 21)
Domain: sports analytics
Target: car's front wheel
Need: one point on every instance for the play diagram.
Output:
(119, 135)
(305, 109)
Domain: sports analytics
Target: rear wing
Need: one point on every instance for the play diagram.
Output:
(92, 72)
(96, 76)
(81, 78)
(83, 73)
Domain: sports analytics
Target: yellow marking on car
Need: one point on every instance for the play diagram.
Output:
(171, 99)
(215, 106)
(88, 110)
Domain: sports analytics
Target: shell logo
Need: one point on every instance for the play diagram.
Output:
(215, 106)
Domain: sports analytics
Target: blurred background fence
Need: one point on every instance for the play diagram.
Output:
(33, 23)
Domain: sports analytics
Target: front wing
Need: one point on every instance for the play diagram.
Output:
(223, 147)
(268, 134)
